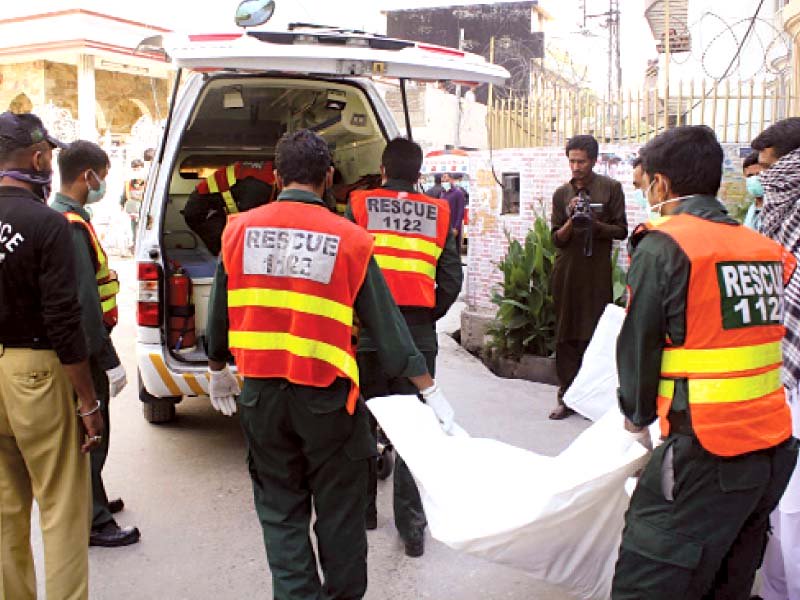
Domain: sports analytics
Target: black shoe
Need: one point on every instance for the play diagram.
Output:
(112, 535)
(415, 548)
(372, 522)
(115, 506)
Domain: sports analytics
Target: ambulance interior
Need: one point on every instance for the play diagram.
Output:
(242, 119)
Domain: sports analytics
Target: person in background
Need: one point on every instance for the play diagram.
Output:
(457, 200)
(582, 281)
(435, 191)
(133, 195)
(286, 313)
(84, 167)
(755, 190)
(699, 351)
(778, 150)
(43, 366)
(638, 195)
(423, 271)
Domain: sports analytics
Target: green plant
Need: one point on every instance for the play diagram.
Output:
(525, 322)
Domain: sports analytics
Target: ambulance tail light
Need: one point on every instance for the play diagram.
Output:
(148, 305)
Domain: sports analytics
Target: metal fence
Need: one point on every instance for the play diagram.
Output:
(737, 111)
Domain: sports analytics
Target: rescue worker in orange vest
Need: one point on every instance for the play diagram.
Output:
(84, 166)
(227, 191)
(416, 250)
(292, 278)
(700, 350)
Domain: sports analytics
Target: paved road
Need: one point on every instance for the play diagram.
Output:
(186, 486)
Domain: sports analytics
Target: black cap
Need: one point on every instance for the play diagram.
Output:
(24, 130)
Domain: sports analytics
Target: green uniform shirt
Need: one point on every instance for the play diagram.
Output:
(659, 283)
(449, 278)
(374, 307)
(98, 339)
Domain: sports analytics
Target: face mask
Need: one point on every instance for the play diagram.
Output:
(446, 186)
(640, 199)
(95, 195)
(41, 180)
(655, 209)
(754, 186)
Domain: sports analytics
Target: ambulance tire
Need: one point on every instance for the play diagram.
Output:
(156, 410)
(385, 464)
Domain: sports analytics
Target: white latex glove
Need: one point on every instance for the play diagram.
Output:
(223, 389)
(434, 397)
(117, 379)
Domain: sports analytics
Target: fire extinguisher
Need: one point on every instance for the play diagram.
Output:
(181, 332)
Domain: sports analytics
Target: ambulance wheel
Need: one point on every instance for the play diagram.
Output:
(385, 464)
(154, 409)
(158, 411)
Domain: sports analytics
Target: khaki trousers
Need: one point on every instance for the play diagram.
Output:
(40, 458)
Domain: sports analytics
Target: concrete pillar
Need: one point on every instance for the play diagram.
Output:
(87, 99)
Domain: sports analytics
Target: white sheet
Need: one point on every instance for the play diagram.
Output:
(557, 518)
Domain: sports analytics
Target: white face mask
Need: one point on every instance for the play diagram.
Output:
(655, 209)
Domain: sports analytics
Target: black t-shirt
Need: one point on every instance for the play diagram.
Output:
(38, 292)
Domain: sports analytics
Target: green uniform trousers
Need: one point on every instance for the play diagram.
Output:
(697, 524)
(409, 515)
(100, 513)
(304, 448)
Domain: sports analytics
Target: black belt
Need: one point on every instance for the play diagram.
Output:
(33, 344)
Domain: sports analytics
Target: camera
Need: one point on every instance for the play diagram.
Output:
(582, 217)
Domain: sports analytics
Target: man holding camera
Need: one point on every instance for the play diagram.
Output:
(588, 213)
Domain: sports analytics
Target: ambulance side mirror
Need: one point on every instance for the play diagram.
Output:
(252, 13)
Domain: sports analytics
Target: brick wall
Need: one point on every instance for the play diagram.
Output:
(542, 170)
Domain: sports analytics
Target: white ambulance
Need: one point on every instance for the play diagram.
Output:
(235, 95)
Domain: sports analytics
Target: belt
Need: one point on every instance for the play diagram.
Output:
(32, 343)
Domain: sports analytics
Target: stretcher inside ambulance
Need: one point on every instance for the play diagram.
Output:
(235, 96)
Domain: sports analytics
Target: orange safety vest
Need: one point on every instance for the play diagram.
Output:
(107, 282)
(293, 275)
(731, 357)
(222, 180)
(410, 232)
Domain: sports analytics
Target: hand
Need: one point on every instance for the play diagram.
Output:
(223, 389)
(571, 206)
(640, 434)
(93, 427)
(117, 379)
(434, 397)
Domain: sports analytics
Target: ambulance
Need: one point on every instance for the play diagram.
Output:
(235, 94)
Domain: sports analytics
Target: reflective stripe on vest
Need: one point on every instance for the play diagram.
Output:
(291, 313)
(227, 196)
(410, 233)
(107, 284)
(222, 180)
(731, 357)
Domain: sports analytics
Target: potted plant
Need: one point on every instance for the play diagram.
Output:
(522, 336)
